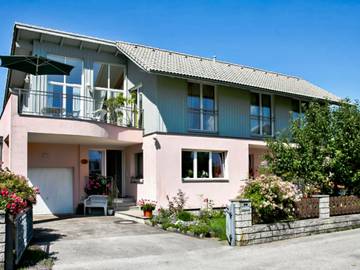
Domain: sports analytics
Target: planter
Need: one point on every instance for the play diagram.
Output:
(148, 213)
(110, 212)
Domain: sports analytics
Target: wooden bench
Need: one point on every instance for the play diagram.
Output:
(100, 201)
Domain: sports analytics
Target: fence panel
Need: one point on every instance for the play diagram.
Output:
(307, 208)
(344, 205)
(23, 224)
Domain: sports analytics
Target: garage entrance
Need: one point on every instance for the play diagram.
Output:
(56, 190)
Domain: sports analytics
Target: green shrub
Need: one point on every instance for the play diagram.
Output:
(200, 228)
(163, 217)
(185, 216)
(272, 198)
(218, 227)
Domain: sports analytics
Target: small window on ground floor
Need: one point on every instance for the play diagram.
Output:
(203, 164)
(139, 165)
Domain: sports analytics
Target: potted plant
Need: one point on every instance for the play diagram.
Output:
(147, 206)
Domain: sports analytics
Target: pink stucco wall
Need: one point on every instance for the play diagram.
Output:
(163, 168)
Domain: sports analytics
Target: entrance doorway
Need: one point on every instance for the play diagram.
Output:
(114, 168)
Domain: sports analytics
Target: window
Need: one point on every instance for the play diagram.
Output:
(203, 164)
(96, 162)
(298, 109)
(201, 107)
(64, 91)
(108, 76)
(139, 165)
(261, 115)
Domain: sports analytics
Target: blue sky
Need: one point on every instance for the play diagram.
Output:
(316, 40)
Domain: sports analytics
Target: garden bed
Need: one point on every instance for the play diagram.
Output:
(205, 223)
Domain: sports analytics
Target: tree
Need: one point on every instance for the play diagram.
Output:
(320, 150)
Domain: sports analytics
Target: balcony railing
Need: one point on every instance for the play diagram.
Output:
(72, 106)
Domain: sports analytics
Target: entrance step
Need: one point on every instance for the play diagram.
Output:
(133, 214)
(123, 204)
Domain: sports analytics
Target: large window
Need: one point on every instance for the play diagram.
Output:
(203, 164)
(201, 105)
(64, 91)
(261, 115)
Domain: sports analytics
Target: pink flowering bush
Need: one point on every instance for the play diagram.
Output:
(16, 193)
(98, 185)
(272, 198)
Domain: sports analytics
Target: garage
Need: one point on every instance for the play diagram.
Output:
(56, 190)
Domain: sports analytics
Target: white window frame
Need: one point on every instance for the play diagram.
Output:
(202, 107)
(64, 84)
(108, 79)
(272, 119)
(210, 178)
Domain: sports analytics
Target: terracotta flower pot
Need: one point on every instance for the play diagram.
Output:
(148, 213)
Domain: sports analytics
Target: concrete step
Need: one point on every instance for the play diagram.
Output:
(133, 214)
(125, 207)
(124, 200)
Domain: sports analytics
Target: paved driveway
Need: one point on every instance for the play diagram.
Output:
(99, 242)
(113, 243)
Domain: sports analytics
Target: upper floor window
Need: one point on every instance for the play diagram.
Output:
(64, 91)
(298, 109)
(261, 115)
(201, 105)
(108, 76)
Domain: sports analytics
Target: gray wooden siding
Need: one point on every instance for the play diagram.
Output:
(233, 106)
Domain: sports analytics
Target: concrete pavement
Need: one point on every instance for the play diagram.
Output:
(113, 243)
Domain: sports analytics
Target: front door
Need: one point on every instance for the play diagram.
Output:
(114, 168)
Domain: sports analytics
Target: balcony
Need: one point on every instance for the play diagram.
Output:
(76, 107)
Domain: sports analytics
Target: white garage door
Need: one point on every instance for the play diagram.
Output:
(56, 190)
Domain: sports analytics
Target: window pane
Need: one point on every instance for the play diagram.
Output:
(116, 77)
(194, 119)
(76, 72)
(209, 120)
(266, 105)
(100, 75)
(187, 169)
(266, 128)
(255, 104)
(55, 96)
(193, 99)
(208, 97)
(202, 164)
(255, 125)
(295, 109)
(56, 78)
(139, 165)
(95, 162)
(72, 101)
(218, 164)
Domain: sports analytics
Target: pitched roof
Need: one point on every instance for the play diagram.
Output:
(183, 65)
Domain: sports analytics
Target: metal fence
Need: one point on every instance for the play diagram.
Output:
(73, 106)
(230, 224)
(23, 225)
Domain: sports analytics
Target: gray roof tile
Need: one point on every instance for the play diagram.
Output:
(183, 65)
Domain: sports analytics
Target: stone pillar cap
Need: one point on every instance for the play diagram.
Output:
(320, 196)
(240, 200)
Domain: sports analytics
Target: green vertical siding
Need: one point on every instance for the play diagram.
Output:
(233, 111)
(282, 107)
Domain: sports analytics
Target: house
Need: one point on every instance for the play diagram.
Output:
(195, 124)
